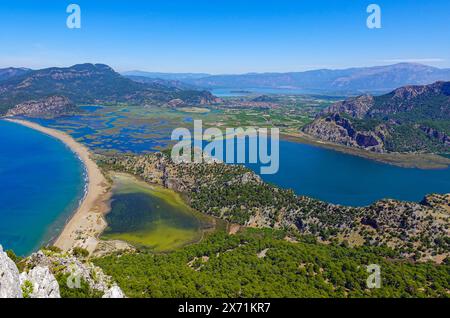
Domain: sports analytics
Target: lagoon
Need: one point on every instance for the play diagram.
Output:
(149, 216)
(345, 179)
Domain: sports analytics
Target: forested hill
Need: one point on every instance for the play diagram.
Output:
(409, 119)
(7, 73)
(236, 194)
(91, 83)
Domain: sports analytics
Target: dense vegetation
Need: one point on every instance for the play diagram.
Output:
(237, 195)
(409, 119)
(260, 263)
(407, 138)
(82, 291)
(89, 83)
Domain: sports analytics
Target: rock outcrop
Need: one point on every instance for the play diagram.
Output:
(38, 278)
(44, 284)
(337, 129)
(355, 107)
(76, 270)
(436, 134)
(114, 292)
(51, 106)
(409, 119)
(9, 277)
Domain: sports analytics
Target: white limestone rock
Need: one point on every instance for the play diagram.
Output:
(114, 292)
(9, 277)
(44, 283)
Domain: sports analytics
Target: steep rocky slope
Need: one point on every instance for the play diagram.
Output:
(9, 277)
(49, 273)
(409, 119)
(51, 106)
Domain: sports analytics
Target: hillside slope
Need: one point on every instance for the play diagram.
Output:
(409, 119)
(236, 194)
(10, 72)
(91, 83)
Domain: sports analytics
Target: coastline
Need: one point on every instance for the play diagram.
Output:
(419, 161)
(87, 222)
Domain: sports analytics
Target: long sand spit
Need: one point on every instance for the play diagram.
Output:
(87, 223)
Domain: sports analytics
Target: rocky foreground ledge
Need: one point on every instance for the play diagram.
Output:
(50, 273)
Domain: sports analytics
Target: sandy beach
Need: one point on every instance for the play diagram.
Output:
(87, 223)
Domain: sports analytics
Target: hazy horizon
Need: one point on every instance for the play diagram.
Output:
(126, 72)
(224, 37)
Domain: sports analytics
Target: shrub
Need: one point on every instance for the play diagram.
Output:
(80, 252)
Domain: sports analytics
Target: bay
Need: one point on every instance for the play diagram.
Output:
(41, 184)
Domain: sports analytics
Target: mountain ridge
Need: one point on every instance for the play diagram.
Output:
(350, 80)
(413, 118)
(91, 83)
(9, 72)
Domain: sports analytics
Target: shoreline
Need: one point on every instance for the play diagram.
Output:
(87, 222)
(404, 160)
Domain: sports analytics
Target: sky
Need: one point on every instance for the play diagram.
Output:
(224, 36)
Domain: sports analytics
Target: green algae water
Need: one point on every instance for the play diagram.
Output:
(149, 216)
(41, 184)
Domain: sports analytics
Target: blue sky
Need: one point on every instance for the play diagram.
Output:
(224, 36)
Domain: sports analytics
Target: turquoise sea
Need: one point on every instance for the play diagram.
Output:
(41, 184)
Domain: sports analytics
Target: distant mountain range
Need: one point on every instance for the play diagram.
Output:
(408, 119)
(377, 79)
(88, 84)
(163, 82)
(168, 76)
(7, 73)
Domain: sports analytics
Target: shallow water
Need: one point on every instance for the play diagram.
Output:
(149, 216)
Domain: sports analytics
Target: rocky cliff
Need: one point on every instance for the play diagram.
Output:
(39, 282)
(50, 273)
(337, 129)
(36, 282)
(355, 107)
(50, 106)
(9, 277)
(409, 119)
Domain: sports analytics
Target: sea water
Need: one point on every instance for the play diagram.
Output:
(41, 184)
